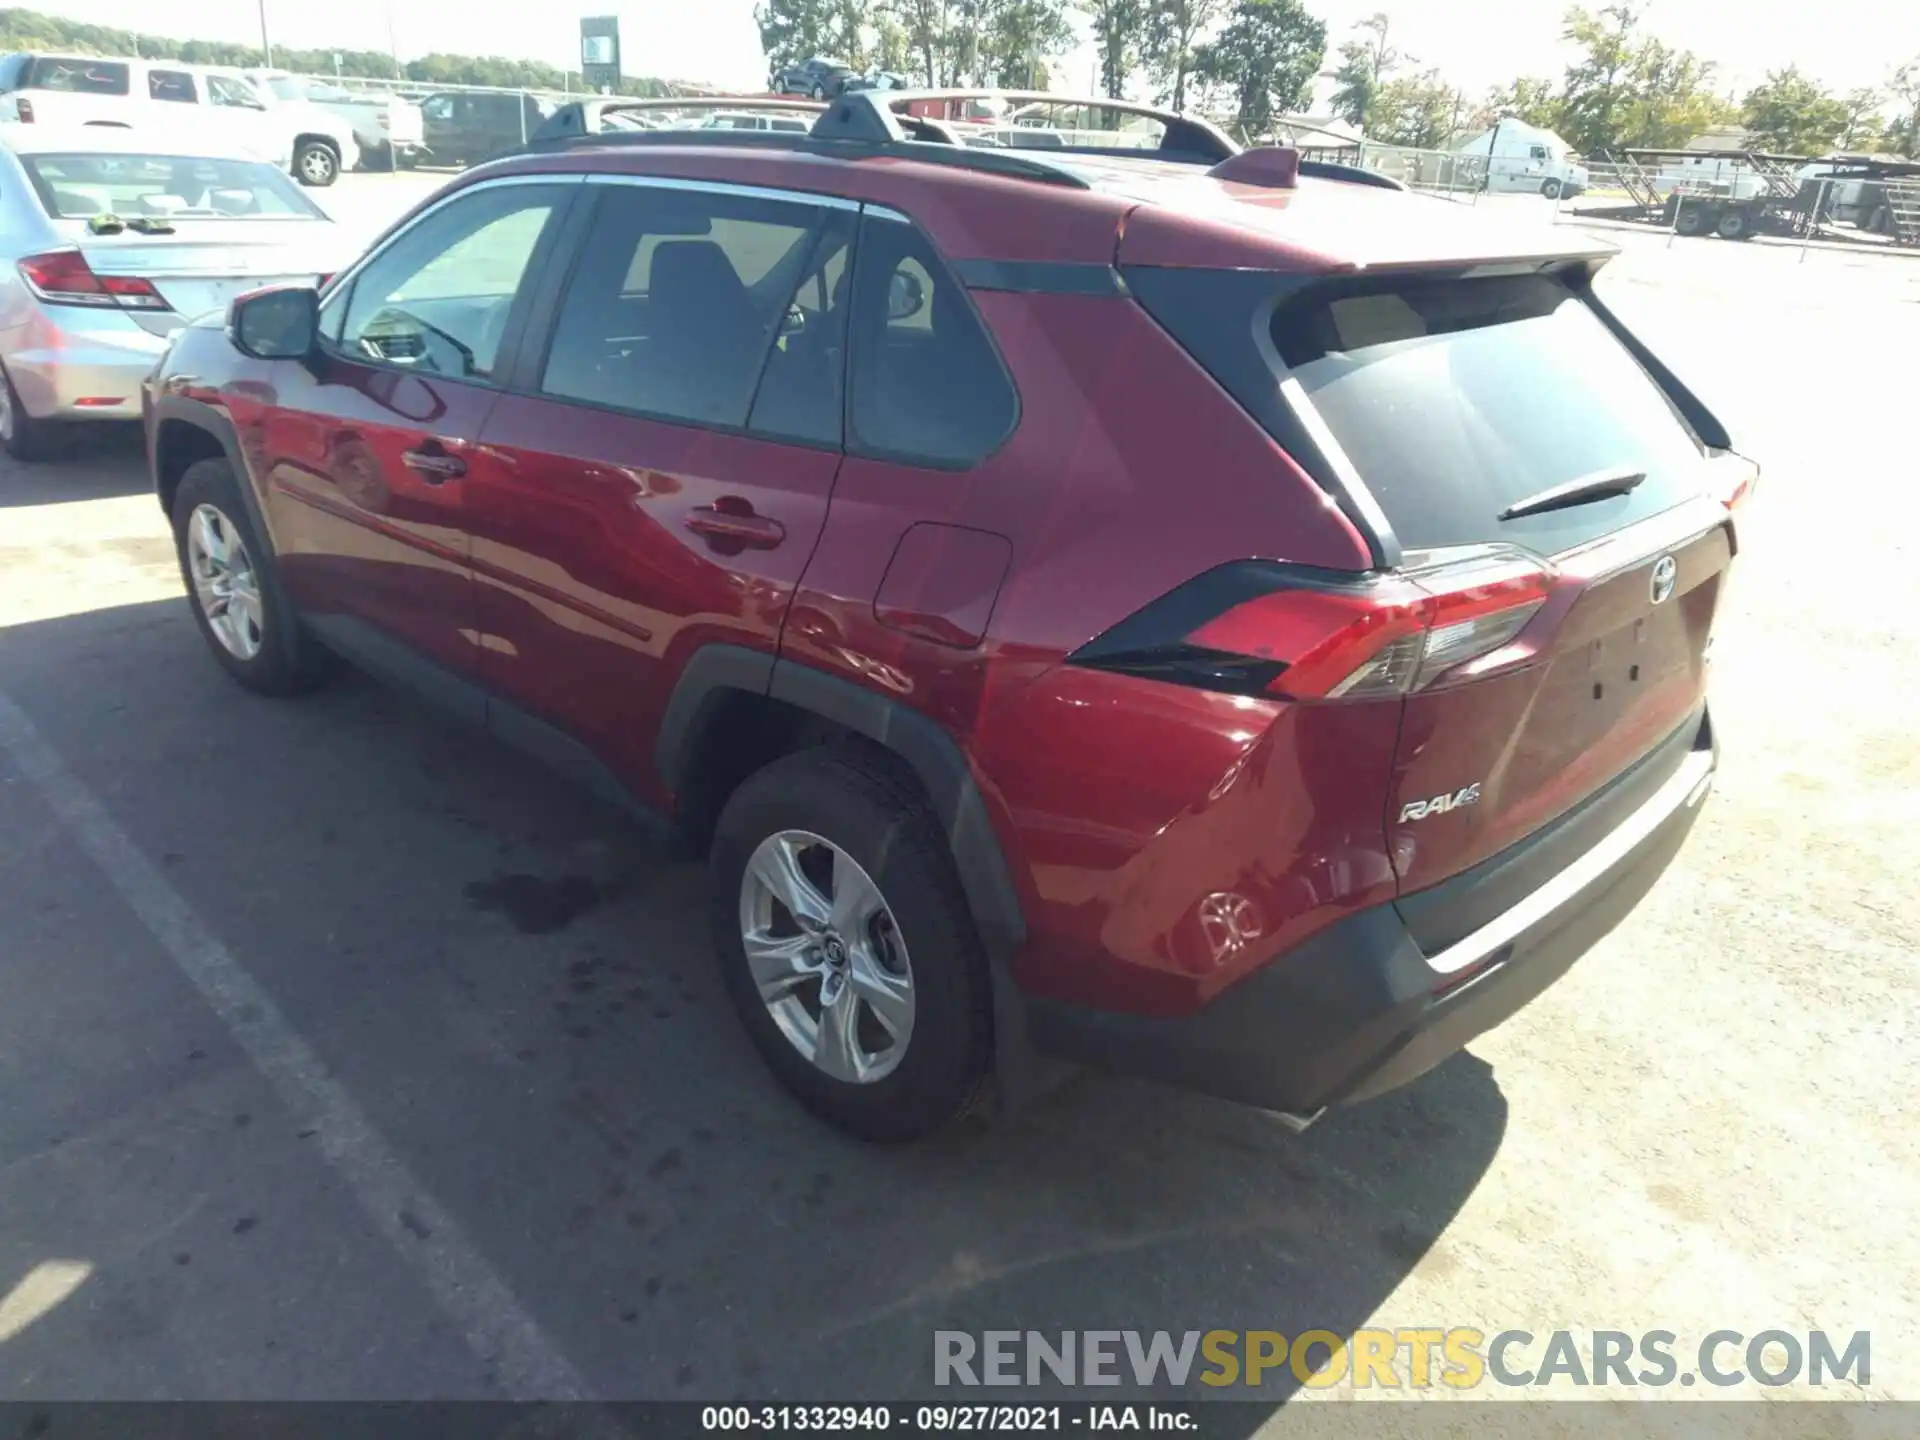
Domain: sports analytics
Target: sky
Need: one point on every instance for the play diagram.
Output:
(1476, 43)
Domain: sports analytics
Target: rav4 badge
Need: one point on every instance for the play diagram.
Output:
(1440, 804)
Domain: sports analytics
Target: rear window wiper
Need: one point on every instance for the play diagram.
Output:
(1601, 485)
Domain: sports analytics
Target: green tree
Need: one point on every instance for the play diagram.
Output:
(929, 26)
(1175, 31)
(1119, 30)
(1366, 61)
(1422, 111)
(1599, 83)
(1903, 135)
(1267, 55)
(795, 30)
(1015, 39)
(1629, 89)
(1792, 114)
(1861, 128)
(1530, 98)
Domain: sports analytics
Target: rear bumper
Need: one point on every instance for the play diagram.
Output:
(89, 356)
(1360, 1008)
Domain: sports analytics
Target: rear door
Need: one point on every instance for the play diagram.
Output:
(659, 476)
(369, 454)
(1543, 487)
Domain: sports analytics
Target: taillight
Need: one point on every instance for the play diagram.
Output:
(63, 277)
(24, 107)
(1735, 476)
(1259, 629)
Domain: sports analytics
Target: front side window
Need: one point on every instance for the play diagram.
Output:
(438, 297)
(927, 385)
(172, 85)
(225, 90)
(676, 301)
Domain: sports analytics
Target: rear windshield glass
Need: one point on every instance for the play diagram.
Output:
(86, 77)
(176, 187)
(1457, 398)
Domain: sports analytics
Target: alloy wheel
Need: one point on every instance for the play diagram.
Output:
(827, 956)
(225, 585)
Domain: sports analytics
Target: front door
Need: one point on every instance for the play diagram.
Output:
(369, 453)
(658, 478)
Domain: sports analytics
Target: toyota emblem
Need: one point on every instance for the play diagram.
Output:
(1666, 570)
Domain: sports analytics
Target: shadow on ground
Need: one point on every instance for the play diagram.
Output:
(90, 462)
(577, 1093)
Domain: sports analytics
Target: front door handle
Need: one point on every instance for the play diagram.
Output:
(433, 464)
(735, 529)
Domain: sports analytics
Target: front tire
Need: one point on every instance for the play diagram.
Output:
(242, 612)
(24, 437)
(316, 164)
(847, 947)
(1550, 188)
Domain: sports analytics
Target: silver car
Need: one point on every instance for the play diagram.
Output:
(112, 241)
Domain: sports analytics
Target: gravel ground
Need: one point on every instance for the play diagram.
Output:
(290, 1112)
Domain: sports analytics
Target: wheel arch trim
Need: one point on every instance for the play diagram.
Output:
(931, 753)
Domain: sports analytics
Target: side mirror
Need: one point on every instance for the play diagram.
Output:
(906, 296)
(277, 324)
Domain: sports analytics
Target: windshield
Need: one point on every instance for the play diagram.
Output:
(178, 187)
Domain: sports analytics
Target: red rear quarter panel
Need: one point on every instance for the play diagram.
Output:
(1121, 803)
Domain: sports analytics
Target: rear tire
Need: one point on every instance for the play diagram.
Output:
(1691, 220)
(316, 164)
(858, 809)
(24, 437)
(1734, 225)
(255, 635)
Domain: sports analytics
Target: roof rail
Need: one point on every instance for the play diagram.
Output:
(569, 135)
(868, 124)
(876, 115)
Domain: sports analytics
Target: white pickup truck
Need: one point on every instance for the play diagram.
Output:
(168, 95)
(389, 130)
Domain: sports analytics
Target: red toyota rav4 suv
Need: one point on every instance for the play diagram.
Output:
(1189, 611)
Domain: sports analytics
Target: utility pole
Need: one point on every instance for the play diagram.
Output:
(266, 43)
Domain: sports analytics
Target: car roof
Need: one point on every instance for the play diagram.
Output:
(43, 139)
(1174, 213)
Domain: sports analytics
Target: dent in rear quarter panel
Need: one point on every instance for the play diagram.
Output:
(1130, 472)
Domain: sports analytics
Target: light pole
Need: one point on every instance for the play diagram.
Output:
(266, 44)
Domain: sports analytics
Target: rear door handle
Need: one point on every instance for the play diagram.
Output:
(728, 529)
(433, 464)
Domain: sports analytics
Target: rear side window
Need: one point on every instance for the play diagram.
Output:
(77, 74)
(12, 68)
(677, 301)
(1455, 399)
(927, 386)
(174, 85)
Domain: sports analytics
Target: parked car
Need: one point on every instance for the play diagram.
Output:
(817, 79)
(744, 120)
(464, 127)
(387, 129)
(877, 80)
(1081, 606)
(219, 105)
(113, 240)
